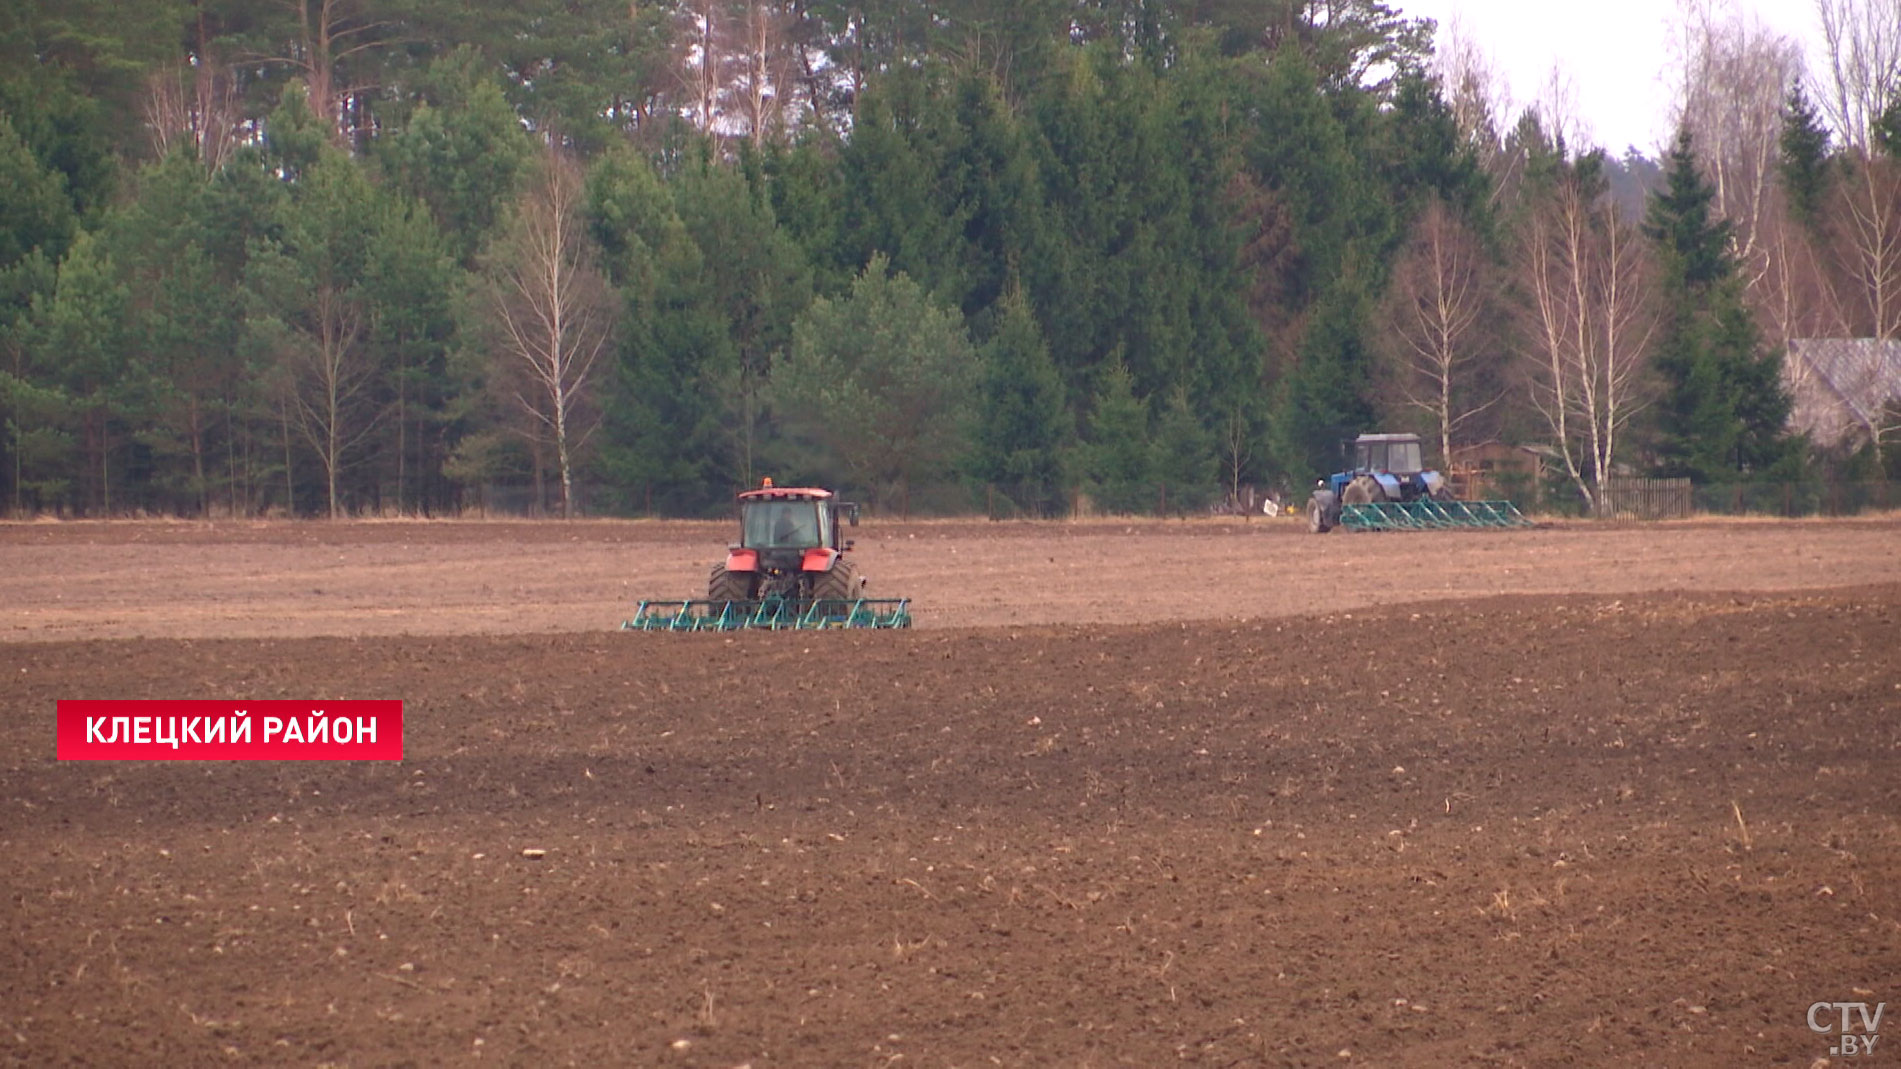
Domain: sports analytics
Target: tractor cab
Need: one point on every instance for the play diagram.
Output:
(792, 518)
(1395, 454)
(1387, 467)
(784, 524)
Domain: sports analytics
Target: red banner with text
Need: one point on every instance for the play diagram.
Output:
(231, 730)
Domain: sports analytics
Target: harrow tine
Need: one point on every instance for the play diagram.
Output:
(770, 614)
(1426, 514)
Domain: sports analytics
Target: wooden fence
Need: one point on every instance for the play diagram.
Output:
(1628, 498)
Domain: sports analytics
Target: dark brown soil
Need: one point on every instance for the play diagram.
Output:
(1529, 830)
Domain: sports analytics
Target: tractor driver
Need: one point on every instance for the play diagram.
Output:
(794, 527)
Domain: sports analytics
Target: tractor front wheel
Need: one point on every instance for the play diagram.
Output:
(839, 584)
(723, 585)
(1317, 518)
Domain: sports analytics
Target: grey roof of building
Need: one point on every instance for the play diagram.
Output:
(1842, 386)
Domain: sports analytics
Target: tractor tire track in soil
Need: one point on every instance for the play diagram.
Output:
(1522, 830)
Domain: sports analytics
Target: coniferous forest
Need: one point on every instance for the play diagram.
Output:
(347, 257)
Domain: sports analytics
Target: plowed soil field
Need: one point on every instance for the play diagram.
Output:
(1206, 793)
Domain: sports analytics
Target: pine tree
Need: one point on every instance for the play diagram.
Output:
(880, 381)
(465, 159)
(666, 441)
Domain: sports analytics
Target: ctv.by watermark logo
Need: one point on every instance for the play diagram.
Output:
(1853, 1024)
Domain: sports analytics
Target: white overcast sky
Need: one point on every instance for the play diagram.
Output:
(1617, 54)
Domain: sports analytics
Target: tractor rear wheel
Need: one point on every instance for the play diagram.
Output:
(839, 584)
(723, 585)
(1363, 490)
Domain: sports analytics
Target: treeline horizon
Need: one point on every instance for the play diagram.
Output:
(333, 257)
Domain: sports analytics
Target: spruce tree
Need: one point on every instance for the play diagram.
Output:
(1121, 466)
(1182, 457)
(295, 137)
(1803, 156)
(1680, 221)
(757, 282)
(188, 327)
(665, 439)
(1723, 408)
(1023, 427)
(1325, 399)
(36, 212)
(1886, 131)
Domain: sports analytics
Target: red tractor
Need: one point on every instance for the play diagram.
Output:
(789, 547)
(788, 571)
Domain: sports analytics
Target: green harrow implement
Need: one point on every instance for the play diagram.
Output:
(1426, 514)
(771, 614)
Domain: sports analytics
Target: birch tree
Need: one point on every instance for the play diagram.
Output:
(1868, 221)
(1734, 76)
(763, 72)
(1437, 308)
(1862, 75)
(206, 115)
(552, 312)
(1795, 294)
(1480, 100)
(1859, 82)
(705, 58)
(1590, 322)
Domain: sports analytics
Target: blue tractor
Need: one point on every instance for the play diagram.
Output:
(1390, 489)
(1386, 467)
